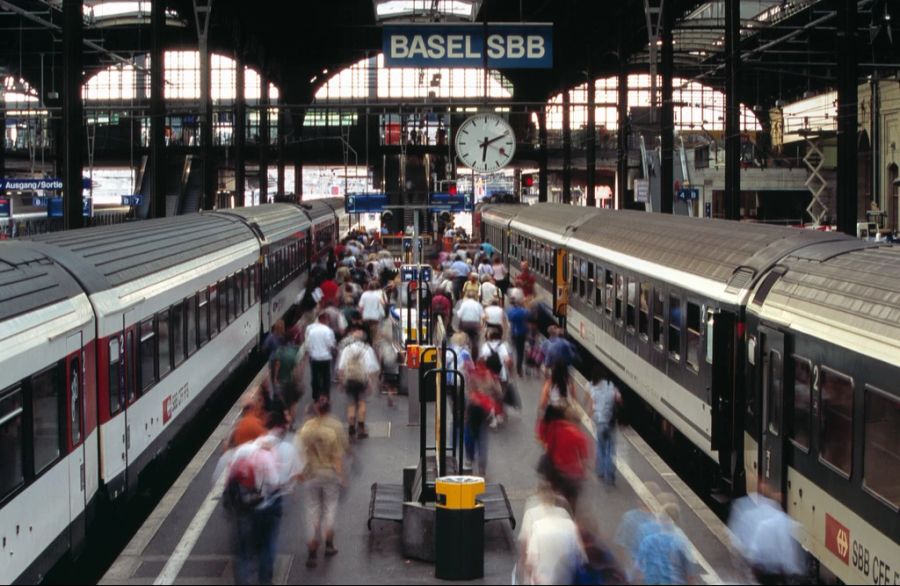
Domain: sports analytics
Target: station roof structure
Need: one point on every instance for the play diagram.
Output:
(297, 43)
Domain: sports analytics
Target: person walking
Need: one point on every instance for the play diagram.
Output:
(605, 398)
(517, 318)
(357, 369)
(501, 275)
(488, 293)
(567, 450)
(320, 346)
(371, 306)
(471, 286)
(470, 314)
(324, 444)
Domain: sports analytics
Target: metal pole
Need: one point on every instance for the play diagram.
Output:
(157, 110)
(209, 186)
(732, 111)
(847, 122)
(567, 146)
(73, 114)
(263, 138)
(240, 127)
(282, 119)
(667, 114)
(542, 139)
(591, 154)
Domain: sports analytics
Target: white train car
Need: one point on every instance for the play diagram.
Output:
(48, 423)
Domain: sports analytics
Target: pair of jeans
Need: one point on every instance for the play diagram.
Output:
(519, 343)
(606, 453)
(257, 535)
(476, 440)
(321, 378)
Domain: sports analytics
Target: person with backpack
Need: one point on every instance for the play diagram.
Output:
(357, 367)
(259, 474)
(498, 359)
(566, 453)
(479, 407)
(324, 443)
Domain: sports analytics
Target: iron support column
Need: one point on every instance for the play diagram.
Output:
(157, 110)
(202, 9)
(263, 138)
(567, 146)
(240, 130)
(591, 152)
(622, 137)
(847, 122)
(732, 110)
(542, 161)
(667, 115)
(74, 136)
(298, 181)
(280, 139)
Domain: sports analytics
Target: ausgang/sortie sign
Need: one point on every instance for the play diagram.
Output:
(515, 46)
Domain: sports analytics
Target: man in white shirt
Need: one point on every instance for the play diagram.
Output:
(371, 306)
(489, 293)
(470, 314)
(320, 345)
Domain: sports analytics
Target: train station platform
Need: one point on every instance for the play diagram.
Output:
(189, 538)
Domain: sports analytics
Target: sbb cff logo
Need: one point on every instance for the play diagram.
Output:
(837, 539)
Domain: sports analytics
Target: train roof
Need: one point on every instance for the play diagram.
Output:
(275, 222)
(503, 212)
(107, 257)
(552, 220)
(851, 298)
(734, 253)
(29, 280)
(319, 208)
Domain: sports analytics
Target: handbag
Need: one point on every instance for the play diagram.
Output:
(511, 396)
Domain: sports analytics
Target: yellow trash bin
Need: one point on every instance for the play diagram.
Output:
(459, 528)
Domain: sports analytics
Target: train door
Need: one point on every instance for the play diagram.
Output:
(75, 412)
(129, 373)
(561, 285)
(726, 406)
(772, 471)
(114, 449)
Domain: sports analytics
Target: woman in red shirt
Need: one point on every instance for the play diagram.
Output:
(566, 457)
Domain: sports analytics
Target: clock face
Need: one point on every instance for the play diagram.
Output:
(486, 143)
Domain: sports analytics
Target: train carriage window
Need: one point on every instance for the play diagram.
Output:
(45, 409)
(164, 358)
(238, 286)
(76, 400)
(836, 420)
(244, 284)
(116, 390)
(620, 297)
(254, 285)
(801, 415)
(203, 323)
(213, 311)
(582, 279)
(675, 327)
(222, 298)
(575, 274)
(659, 319)
(644, 319)
(776, 393)
(632, 298)
(148, 355)
(130, 366)
(190, 325)
(592, 283)
(693, 336)
(12, 439)
(229, 299)
(881, 460)
(598, 292)
(610, 295)
(176, 317)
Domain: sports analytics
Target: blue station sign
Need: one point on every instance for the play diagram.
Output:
(46, 184)
(505, 46)
(5, 207)
(55, 207)
(365, 203)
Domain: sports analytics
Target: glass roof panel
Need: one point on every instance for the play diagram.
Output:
(431, 9)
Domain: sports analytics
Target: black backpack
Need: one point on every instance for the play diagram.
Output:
(493, 361)
(241, 494)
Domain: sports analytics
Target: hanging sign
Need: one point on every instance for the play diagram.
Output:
(505, 46)
(47, 184)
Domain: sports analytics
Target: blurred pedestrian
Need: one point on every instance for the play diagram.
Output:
(764, 534)
(274, 340)
(479, 407)
(470, 314)
(324, 445)
(471, 286)
(320, 347)
(605, 398)
(663, 556)
(551, 551)
(558, 389)
(517, 318)
(286, 377)
(358, 368)
(566, 453)
(251, 423)
(525, 280)
(371, 306)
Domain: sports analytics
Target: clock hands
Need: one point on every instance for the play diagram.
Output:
(489, 141)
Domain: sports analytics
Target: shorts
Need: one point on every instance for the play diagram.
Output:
(356, 390)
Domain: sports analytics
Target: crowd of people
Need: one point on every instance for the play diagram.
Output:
(340, 335)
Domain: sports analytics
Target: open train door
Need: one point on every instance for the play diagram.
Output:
(561, 283)
(772, 476)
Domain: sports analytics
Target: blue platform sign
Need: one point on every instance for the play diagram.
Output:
(55, 207)
(132, 200)
(45, 184)
(506, 46)
(445, 202)
(689, 193)
(5, 207)
(365, 203)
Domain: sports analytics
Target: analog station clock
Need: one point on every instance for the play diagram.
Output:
(485, 142)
